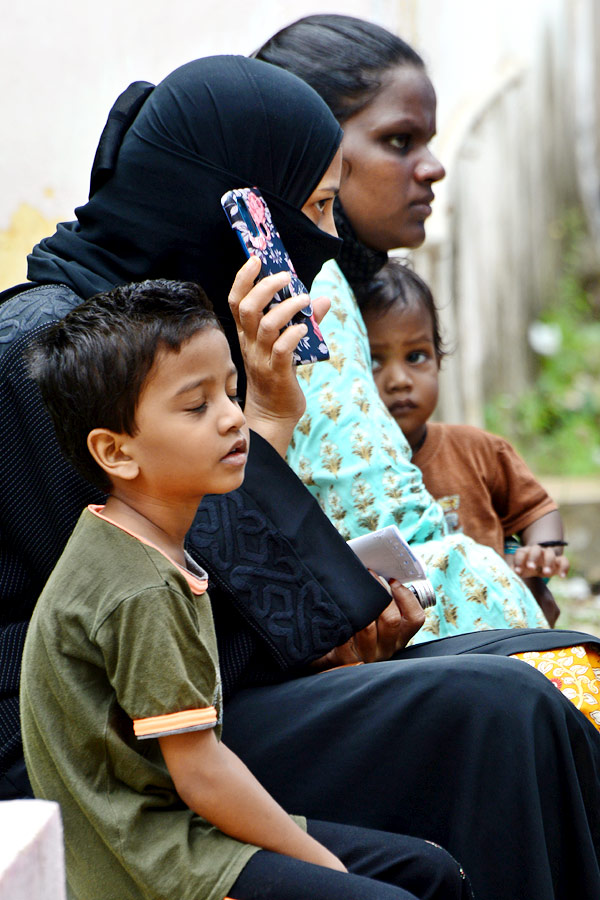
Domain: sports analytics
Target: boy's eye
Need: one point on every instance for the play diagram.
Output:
(375, 365)
(417, 356)
(197, 409)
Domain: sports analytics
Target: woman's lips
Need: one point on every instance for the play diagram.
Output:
(422, 205)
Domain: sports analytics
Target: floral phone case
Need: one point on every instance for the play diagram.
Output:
(251, 220)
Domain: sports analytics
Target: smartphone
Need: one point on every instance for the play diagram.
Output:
(387, 553)
(251, 219)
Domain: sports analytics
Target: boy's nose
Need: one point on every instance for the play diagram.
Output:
(233, 416)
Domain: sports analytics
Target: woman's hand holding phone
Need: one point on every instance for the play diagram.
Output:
(250, 218)
(391, 631)
(274, 399)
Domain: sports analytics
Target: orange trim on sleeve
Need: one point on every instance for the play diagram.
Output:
(186, 720)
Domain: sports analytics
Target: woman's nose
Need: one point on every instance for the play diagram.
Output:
(429, 168)
(328, 223)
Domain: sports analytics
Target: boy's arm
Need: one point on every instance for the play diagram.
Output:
(216, 785)
(533, 559)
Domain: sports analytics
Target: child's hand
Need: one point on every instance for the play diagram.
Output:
(544, 598)
(542, 562)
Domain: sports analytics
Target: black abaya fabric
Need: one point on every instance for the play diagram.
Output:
(478, 751)
(212, 125)
(155, 210)
(481, 754)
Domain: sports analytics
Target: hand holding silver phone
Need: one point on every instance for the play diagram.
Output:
(387, 553)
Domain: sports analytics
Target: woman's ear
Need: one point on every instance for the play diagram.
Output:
(105, 447)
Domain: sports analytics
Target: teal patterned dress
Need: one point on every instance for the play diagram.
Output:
(353, 457)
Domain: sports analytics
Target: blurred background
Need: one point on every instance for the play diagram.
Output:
(513, 246)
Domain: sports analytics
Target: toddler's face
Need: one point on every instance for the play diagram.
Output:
(192, 437)
(405, 365)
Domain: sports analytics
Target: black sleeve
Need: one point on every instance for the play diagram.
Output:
(290, 575)
(41, 496)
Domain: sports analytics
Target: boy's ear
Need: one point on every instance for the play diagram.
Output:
(105, 447)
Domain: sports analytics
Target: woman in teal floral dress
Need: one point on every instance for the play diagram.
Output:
(347, 449)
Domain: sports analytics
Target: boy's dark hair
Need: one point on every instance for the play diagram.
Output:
(397, 283)
(343, 58)
(91, 366)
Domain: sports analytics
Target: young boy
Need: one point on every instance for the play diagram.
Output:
(485, 487)
(121, 698)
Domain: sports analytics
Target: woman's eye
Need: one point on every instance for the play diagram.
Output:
(234, 398)
(399, 141)
(321, 205)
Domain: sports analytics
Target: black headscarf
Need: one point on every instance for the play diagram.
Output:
(358, 262)
(213, 124)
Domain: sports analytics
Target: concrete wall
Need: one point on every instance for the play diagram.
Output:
(32, 863)
(521, 148)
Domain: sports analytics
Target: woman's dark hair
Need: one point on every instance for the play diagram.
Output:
(397, 283)
(92, 365)
(343, 58)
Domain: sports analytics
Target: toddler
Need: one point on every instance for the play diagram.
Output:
(485, 488)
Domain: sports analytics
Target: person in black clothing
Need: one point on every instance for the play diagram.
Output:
(450, 740)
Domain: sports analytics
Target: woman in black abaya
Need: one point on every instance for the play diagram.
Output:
(476, 751)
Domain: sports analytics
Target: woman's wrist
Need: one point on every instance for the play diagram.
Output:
(276, 429)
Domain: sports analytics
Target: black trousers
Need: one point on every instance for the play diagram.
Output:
(479, 753)
(382, 866)
(14, 783)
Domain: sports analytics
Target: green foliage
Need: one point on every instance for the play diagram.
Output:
(555, 424)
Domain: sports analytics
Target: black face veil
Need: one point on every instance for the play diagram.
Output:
(214, 124)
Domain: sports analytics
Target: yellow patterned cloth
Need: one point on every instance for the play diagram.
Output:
(576, 673)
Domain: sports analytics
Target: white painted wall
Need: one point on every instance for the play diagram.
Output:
(63, 63)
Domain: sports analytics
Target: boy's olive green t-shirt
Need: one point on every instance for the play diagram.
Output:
(118, 635)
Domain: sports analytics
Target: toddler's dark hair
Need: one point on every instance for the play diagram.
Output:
(91, 366)
(397, 283)
(343, 58)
